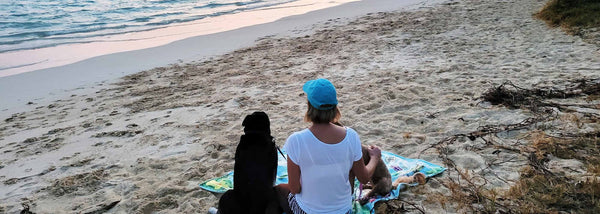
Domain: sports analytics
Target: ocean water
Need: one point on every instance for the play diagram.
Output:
(32, 24)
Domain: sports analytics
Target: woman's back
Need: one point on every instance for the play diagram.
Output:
(323, 158)
(324, 167)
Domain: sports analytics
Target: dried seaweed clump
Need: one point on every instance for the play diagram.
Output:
(540, 188)
(540, 191)
(512, 96)
(88, 182)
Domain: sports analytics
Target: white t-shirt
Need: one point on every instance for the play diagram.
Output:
(324, 170)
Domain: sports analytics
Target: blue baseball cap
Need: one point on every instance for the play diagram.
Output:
(320, 92)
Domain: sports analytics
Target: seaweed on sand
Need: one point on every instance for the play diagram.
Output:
(539, 188)
(512, 96)
(89, 181)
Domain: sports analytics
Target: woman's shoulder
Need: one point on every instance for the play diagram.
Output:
(350, 131)
(300, 133)
(352, 135)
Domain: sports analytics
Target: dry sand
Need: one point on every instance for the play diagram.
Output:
(406, 80)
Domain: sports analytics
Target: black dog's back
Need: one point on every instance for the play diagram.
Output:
(255, 163)
(255, 169)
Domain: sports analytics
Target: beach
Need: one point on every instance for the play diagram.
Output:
(408, 77)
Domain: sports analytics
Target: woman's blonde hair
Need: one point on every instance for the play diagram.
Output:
(315, 115)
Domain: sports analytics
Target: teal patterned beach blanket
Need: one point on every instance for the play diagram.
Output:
(397, 165)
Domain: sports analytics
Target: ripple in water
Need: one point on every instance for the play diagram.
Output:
(31, 24)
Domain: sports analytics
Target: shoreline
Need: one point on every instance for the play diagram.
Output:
(45, 85)
(16, 62)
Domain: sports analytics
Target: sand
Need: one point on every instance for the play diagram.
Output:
(406, 80)
(87, 76)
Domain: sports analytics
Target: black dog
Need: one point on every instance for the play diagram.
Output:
(254, 170)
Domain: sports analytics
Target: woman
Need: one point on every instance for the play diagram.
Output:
(324, 158)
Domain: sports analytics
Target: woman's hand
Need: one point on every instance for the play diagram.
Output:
(374, 152)
(365, 172)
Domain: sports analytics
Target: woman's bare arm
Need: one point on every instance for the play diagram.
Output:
(293, 177)
(362, 172)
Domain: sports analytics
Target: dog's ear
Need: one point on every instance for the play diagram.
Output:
(247, 120)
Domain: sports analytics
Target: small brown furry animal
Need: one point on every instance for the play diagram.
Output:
(381, 182)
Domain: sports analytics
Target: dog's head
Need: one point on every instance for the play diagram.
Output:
(257, 122)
